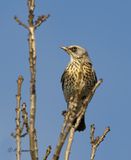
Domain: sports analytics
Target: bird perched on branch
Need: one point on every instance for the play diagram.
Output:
(78, 77)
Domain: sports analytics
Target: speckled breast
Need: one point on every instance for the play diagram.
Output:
(77, 77)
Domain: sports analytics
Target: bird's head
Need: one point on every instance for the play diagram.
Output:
(76, 52)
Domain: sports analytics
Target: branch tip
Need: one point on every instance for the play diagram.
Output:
(20, 80)
(95, 141)
(48, 151)
(20, 22)
(40, 20)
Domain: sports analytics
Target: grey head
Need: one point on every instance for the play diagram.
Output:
(77, 53)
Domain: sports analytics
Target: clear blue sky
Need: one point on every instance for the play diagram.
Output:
(104, 28)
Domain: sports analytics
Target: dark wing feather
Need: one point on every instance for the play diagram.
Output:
(94, 74)
(94, 77)
(63, 79)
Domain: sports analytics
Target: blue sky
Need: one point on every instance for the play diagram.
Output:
(104, 29)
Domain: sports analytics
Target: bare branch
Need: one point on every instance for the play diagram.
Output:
(69, 144)
(18, 121)
(24, 134)
(48, 151)
(95, 142)
(20, 23)
(32, 62)
(31, 5)
(25, 117)
(30, 126)
(40, 20)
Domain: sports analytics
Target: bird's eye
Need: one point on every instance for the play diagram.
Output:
(74, 49)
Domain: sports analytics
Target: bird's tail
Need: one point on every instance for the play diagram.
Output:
(82, 125)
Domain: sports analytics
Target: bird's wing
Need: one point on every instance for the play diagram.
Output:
(94, 74)
(63, 79)
(93, 71)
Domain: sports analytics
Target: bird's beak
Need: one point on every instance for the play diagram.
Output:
(66, 49)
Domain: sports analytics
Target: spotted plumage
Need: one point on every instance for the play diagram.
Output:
(78, 75)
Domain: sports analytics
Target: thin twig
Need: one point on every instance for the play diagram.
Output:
(31, 5)
(20, 22)
(95, 142)
(86, 102)
(40, 20)
(25, 118)
(18, 121)
(69, 144)
(48, 151)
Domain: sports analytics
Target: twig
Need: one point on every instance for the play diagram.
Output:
(69, 144)
(25, 118)
(32, 61)
(48, 151)
(31, 5)
(86, 102)
(95, 142)
(18, 121)
(21, 23)
(40, 20)
(70, 117)
(24, 134)
(32, 25)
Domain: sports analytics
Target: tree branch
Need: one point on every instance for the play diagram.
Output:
(70, 116)
(48, 151)
(18, 120)
(69, 144)
(40, 20)
(95, 142)
(30, 128)
(25, 118)
(32, 62)
(21, 23)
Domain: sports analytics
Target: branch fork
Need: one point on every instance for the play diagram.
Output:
(68, 126)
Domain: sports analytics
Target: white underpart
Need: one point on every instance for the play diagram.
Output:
(71, 59)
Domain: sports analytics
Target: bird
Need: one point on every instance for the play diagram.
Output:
(79, 75)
